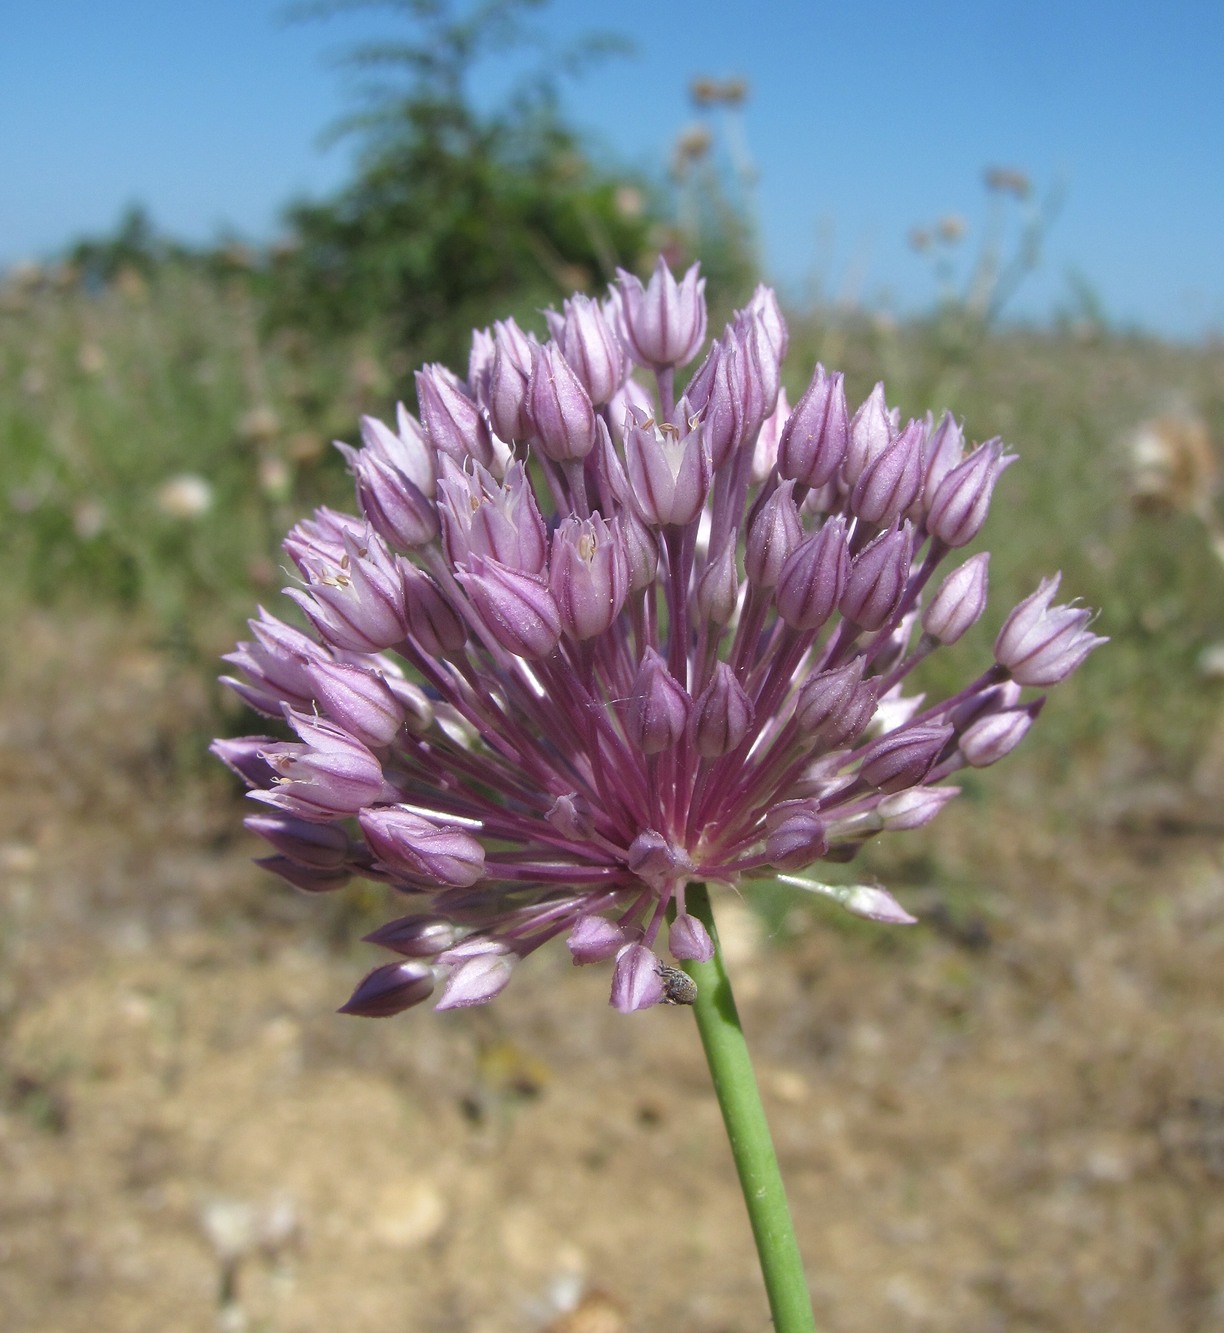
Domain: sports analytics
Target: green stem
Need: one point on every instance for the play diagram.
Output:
(751, 1146)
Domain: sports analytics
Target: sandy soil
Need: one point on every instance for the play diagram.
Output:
(1009, 1118)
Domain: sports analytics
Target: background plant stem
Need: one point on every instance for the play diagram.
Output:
(751, 1145)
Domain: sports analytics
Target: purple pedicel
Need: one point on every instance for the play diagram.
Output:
(587, 644)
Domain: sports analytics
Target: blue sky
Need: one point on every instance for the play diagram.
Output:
(864, 120)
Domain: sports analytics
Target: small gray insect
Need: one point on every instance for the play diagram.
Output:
(678, 987)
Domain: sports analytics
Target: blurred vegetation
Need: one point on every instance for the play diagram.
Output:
(455, 212)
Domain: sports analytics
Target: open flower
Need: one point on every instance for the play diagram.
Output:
(587, 646)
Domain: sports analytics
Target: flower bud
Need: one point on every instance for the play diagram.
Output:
(421, 935)
(960, 505)
(476, 979)
(560, 409)
(774, 531)
(509, 378)
(814, 577)
(390, 989)
(595, 939)
(433, 623)
(360, 701)
(658, 707)
(995, 735)
(452, 419)
(903, 757)
(816, 435)
(890, 482)
(664, 323)
(877, 579)
(961, 599)
(322, 846)
(590, 345)
(517, 609)
(913, 807)
(797, 835)
(1042, 645)
(307, 879)
(944, 450)
(689, 940)
(405, 843)
(722, 715)
(636, 983)
(718, 587)
(871, 431)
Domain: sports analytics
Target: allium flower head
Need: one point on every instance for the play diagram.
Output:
(588, 644)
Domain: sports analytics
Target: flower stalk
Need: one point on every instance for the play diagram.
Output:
(726, 1050)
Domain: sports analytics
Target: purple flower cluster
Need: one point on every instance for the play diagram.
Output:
(590, 643)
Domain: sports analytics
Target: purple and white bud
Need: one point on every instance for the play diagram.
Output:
(891, 481)
(636, 983)
(961, 503)
(669, 472)
(796, 835)
(992, 737)
(944, 450)
(817, 433)
(394, 507)
(658, 861)
(358, 603)
(433, 623)
(709, 399)
(421, 935)
(774, 531)
(960, 601)
(506, 396)
(322, 846)
(590, 345)
(904, 757)
(404, 843)
(594, 939)
(688, 940)
(663, 324)
(1041, 644)
(875, 904)
(659, 707)
(244, 756)
(588, 575)
(641, 549)
(878, 577)
(358, 700)
(814, 576)
(480, 971)
(913, 807)
(306, 879)
(390, 989)
(516, 609)
(560, 409)
(718, 587)
(722, 715)
(328, 776)
(871, 432)
(824, 698)
(452, 418)
(276, 666)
